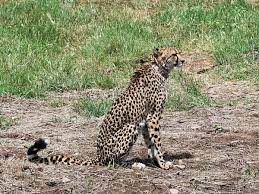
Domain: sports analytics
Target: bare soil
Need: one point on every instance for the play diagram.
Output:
(219, 147)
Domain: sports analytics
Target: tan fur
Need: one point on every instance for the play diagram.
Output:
(143, 100)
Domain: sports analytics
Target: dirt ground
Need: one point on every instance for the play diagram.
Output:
(217, 147)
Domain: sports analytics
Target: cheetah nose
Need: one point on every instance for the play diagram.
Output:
(182, 61)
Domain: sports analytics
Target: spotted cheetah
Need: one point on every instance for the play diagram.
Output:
(141, 103)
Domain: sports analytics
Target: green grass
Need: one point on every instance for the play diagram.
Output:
(250, 173)
(63, 45)
(88, 107)
(56, 102)
(6, 122)
(89, 183)
(186, 93)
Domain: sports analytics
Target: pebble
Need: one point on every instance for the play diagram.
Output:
(174, 191)
(65, 180)
(138, 166)
(180, 166)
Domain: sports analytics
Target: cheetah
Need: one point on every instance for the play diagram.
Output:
(137, 110)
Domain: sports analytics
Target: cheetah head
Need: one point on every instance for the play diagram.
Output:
(166, 58)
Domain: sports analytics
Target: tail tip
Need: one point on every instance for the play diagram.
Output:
(38, 145)
(46, 141)
(41, 143)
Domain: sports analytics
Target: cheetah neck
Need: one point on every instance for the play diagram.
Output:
(162, 71)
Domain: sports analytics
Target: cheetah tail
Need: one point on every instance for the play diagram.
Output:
(41, 144)
(38, 145)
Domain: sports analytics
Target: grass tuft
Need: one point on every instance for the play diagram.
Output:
(186, 93)
(88, 107)
(56, 102)
(6, 122)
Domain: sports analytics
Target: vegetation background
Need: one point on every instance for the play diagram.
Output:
(64, 60)
(76, 44)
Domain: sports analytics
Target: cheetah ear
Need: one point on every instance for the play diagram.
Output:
(155, 52)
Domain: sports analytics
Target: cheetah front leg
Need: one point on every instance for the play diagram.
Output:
(154, 141)
(146, 136)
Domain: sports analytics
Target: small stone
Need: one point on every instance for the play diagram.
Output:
(195, 126)
(51, 183)
(65, 180)
(180, 166)
(174, 191)
(40, 169)
(138, 166)
(24, 168)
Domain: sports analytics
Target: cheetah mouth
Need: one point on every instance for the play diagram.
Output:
(180, 64)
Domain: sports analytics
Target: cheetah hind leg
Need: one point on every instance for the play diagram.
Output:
(121, 143)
